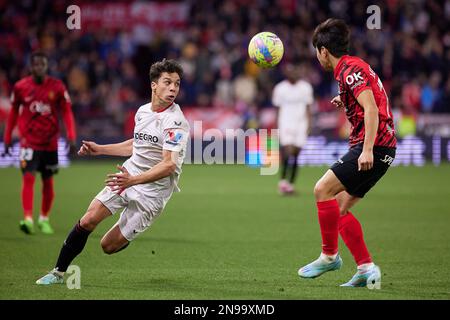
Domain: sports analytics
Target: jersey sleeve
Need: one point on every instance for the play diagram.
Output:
(175, 134)
(66, 108)
(357, 80)
(309, 94)
(15, 97)
(13, 114)
(276, 96)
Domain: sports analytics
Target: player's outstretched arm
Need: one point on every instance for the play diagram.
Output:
(119, 181)
(122, 149)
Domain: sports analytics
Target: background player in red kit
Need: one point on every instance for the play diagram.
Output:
(37, 100)
(372, 150)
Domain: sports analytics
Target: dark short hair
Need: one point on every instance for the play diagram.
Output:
(169, 66)
(39, 54)
(334, 35)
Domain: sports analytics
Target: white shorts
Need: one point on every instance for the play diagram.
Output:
(294, 136)
(138, 211)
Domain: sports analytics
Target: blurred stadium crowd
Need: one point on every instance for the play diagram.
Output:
(106, 68)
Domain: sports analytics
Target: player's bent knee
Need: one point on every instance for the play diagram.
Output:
(320, 191)
(93, 216)
(88, 222)
(108, 247)
(109, 250)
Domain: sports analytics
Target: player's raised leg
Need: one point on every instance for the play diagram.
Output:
(76, 241)
(328, 211)
(352, 235)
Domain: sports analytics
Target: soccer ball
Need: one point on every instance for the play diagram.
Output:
(265, 49)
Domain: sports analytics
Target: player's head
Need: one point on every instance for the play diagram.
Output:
(291, 72)
(331, 38)
(38, 65)
(165, 78)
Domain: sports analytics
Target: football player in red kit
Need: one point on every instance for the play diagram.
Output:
(37, 101)
(372, 150)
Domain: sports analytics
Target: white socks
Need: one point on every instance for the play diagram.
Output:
(41, 218)
(331, 258)
(365, 267)
(328, 258)
(59, 273)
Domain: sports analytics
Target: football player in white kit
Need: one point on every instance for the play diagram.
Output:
(146, 180)
(293, 97)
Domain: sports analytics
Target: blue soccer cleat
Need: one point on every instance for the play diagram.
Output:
(370, 278)
(50, 278)
(319, 267)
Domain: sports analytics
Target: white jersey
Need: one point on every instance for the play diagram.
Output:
(153, 133)
(292, 99)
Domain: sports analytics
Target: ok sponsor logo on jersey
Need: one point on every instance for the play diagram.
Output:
(140, 136)
(354, 80)
(174, 138)
(40, 107)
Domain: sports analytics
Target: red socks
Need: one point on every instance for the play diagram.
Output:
(329, 225)
(351, 233)
(47, 196)
(27, 195)
(332, 223)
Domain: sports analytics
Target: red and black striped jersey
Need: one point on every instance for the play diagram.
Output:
(36, 108)
(354, 76)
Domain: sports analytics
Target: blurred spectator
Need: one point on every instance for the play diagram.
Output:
(431, 92)
(411, 96)
(244, 87)
(224, 89)
(443, 104)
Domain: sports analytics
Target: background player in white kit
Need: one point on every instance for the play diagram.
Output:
(147, 179)
(293, 97)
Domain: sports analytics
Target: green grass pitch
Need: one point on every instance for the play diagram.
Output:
(229, 235)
